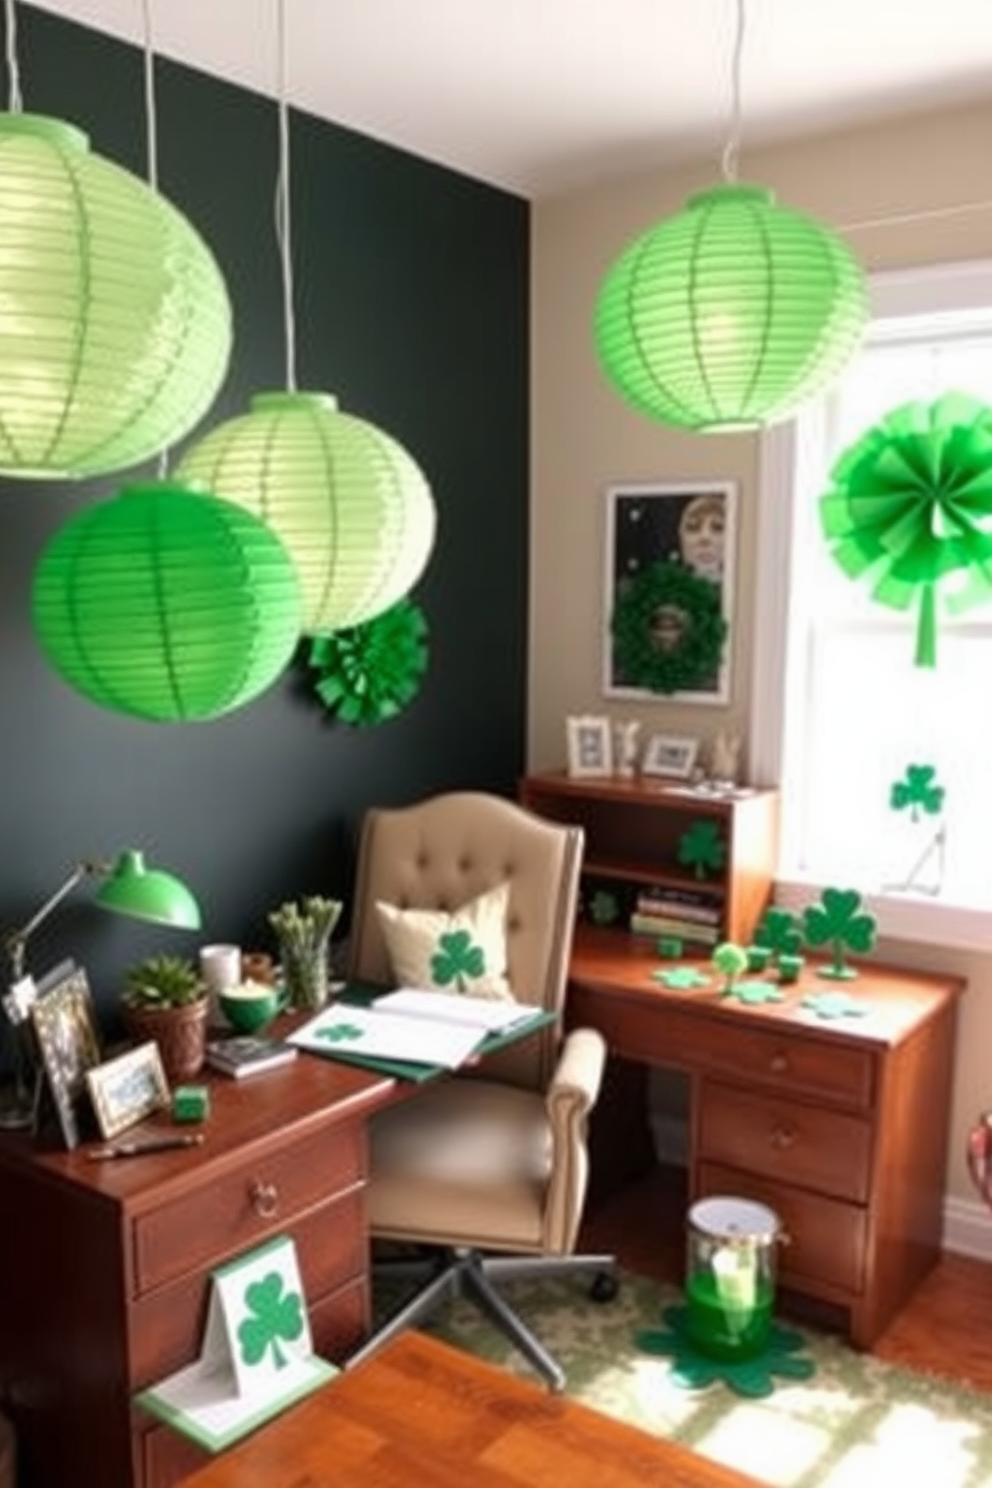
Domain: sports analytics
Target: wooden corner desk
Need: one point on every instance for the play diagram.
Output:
(424, 1414)
(841, 1126)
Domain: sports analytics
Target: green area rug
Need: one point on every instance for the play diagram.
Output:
(856, 1423)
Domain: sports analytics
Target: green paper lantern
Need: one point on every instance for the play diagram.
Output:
(910, 508)
(352, 507)
(729, 314)
(115, 325)
(166, 604)
(368, 674)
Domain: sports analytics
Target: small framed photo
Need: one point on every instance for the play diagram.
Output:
(590, 746)
(127, 1089)
(671, 755)
(65, 1032)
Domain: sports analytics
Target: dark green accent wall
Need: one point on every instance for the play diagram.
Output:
(412, 307)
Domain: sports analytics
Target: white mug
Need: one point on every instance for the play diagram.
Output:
(220, 966)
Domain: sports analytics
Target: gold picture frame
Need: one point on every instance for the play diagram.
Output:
(65, 1033)
(127, 1088)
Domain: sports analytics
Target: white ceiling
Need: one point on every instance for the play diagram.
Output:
(539, 96)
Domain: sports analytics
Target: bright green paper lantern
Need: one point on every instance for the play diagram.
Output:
(351, 506)
(166, 603)
(729, 314)
(115, 324)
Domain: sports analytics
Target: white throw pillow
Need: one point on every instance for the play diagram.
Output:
(463, 952)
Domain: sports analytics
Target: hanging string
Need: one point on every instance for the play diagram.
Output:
(13, 69)
(283, 222)
(925, 214)
(150, 110)
(731, 149)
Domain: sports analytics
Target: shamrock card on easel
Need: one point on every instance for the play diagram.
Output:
(257, 1355)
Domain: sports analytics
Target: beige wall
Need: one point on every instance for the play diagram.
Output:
(585, 438)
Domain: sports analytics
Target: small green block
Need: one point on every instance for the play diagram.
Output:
(670, 947)
(190, 1103)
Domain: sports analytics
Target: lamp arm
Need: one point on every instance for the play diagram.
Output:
(15, 942)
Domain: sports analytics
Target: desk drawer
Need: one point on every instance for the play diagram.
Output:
(787, 1061)
(826, 1239)
(223, 1216)
(827, 1151)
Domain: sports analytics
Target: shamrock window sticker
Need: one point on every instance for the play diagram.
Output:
(919, 798)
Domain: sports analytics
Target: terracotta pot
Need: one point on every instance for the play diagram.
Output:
(180, 1032)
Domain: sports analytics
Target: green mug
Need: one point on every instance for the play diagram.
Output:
(252, 1005)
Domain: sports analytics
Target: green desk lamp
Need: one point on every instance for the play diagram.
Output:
(128, 887)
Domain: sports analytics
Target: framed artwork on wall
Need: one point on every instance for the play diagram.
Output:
(670, 554)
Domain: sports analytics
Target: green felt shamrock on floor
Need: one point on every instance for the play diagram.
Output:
(918, 791)
(275, 1315)
(833, 1005)
(753, 994)
(457, 959)
(839, 922)
(681, 978)
(754, 1378)
(701, 848)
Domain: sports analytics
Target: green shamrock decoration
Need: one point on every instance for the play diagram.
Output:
(833, 1005)
(681, 978)
(276, 1315)
(754, 1378)
(369, 673)
(683, 657)
(604, 908)
(457, 960)
(837, 922)
(753, 994)
(701, 848)
(730, 960)
(339, 1033)
(780, 933)
(918, 790)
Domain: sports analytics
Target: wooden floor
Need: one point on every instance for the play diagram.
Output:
(946, 1328)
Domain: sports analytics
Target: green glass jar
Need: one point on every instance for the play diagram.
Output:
(730, 1276)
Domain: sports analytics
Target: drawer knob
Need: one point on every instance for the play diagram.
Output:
(265, 1199)
(778, 1064)
(783, 1137)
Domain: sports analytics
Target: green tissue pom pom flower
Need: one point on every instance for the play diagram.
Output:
(370, 672)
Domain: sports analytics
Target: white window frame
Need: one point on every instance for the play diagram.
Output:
(946, 288)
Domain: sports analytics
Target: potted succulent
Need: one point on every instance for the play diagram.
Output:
(165, 999)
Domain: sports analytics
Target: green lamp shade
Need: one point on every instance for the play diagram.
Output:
(729, 314)
(351, 506)
(148, 894)
(166, 603)
(115, 324)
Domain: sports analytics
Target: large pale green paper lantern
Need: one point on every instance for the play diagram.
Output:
(166, 604)
(352, 507)
(115, 323)
(729, 314)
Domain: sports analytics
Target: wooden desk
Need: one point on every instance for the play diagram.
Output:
(104, 1266)
(424, 1414)
(841, 1126)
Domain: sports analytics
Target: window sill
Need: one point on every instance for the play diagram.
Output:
(915, 918)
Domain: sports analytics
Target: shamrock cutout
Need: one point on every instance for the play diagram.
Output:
(275, 1315)
(836, 922)
(701, 848)
(755, 993)
(753, 1376)
(779, 933)
(918, 790)
(833, 1005)
(457, 960)
(681, 978)
(339, 1033)
(604, 908)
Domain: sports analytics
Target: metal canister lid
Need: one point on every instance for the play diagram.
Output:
(731, 1219)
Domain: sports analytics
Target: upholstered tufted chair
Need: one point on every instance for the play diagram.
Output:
(487, 1168)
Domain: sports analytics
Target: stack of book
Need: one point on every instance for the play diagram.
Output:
(677, 912)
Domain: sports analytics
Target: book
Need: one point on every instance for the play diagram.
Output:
(489, 1013)
(247, 1054)
(347, 1029)
(655, 905)
(641, 924)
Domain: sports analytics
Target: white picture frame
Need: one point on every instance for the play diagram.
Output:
(589, 742)
(671, 756)
(651, 523)
(126, 1089)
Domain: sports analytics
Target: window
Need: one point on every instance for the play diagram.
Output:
(839, 710)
